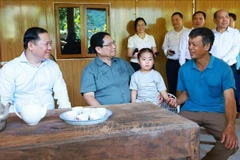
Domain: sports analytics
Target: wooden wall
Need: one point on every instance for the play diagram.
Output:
(18, 15)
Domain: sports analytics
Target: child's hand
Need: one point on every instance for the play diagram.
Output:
(160, 99)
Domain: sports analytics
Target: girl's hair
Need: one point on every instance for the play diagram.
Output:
(144, 50)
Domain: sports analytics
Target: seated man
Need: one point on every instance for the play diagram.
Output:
(105, 80)
(207, 94)
(33, 77)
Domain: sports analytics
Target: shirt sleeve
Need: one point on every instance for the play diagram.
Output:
(153, 43)
(130, 42)
(60, 90)
(133, 82)
(87, 81)
(228, 79)
(165, 44)
(183, 48)
(160, 83)
(7, 85)
(233, 52)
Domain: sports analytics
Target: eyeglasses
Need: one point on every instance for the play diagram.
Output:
(110, 44)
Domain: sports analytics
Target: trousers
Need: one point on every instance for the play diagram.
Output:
(215, 123)
(172, 67)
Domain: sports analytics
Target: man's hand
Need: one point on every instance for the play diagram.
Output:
(170, 52)
(230, 138)
(172, 102)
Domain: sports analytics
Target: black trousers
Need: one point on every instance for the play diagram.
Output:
(237, 83)
(172, 67)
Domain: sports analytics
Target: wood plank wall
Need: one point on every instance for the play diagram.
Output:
(18, 15)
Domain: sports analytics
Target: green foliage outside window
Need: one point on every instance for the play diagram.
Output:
(75, 30)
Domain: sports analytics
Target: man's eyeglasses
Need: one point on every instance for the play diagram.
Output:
(110, 44)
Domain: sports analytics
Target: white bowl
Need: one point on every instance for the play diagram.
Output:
(88, 122)
(101, 111)
(70, 115)
(87, 110)
(77, 109)
(82, 117)
(94, 116)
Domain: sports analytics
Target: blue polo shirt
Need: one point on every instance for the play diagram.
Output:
(110, 83)
(205, 88)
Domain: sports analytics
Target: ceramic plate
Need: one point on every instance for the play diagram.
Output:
(88, 122)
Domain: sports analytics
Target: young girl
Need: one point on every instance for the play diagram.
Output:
(146, 83)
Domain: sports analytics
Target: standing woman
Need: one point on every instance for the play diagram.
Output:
(138, 41)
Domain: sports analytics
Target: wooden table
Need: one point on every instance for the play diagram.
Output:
(134, 132)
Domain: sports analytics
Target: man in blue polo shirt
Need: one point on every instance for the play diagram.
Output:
(105, 80)
(207, 94)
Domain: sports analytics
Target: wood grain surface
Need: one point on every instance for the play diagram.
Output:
(134, 131)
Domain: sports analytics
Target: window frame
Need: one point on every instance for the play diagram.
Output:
(84, 33)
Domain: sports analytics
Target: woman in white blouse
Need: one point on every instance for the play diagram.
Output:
(138, 41)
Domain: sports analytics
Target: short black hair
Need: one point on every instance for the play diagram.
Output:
(31, 34)
(144, 50)
(201, 12)
(206, 34)
(97, 40)
(136, 21)
(233, 16)
(177, 13)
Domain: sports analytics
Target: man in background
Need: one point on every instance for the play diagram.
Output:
(232, 24)
(171, 50)
(198, 20)
(226, 45)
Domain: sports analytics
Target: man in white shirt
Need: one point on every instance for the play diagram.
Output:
(171, 50)
(33, 77)
(198, 20)
(226, 45)
(227, 39)
(232, 24)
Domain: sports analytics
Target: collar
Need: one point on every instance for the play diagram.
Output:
(23, 59)
(209, 66)
(227, 30)
(100, 62)
(183, 28)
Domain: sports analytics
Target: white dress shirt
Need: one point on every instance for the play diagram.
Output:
(136, 42)
(183, 46)
(226, 45)
(171, 41)
(22, 83)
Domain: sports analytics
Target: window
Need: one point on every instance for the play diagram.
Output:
(75, 24)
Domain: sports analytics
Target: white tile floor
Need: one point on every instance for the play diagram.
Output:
(204, 148)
